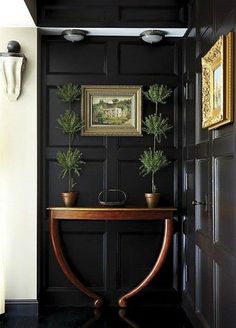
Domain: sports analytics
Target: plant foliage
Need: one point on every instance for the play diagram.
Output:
(152, 161)
(70, 123)
(70, 162)
(156, 125)
(157, 93)
(69, 93)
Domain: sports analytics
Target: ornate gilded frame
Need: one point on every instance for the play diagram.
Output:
(220, 55)
(91, 92)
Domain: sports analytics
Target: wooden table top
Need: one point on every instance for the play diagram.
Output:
(108, 213)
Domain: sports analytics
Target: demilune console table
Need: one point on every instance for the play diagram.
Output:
(110, 214)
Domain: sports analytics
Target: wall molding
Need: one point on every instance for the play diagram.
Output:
(23, 307)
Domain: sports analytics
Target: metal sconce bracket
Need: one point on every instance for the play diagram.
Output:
(12, 64)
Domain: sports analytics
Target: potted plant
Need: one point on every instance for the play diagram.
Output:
(152, 160)
(70, 124)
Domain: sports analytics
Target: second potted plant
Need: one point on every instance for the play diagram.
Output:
(152, 160)
(70, 161)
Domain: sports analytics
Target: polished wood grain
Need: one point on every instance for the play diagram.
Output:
(119, 214)
(115, 214)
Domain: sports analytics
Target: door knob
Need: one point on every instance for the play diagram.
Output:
(195, 203)
(202, 203)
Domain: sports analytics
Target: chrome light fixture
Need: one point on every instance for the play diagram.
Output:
(152, 36)
(74, 35)
(12, 64)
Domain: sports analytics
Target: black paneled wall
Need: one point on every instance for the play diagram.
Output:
(116, 13)
(209, 295)
(110, 257)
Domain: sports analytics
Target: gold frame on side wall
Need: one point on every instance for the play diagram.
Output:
(220, 55)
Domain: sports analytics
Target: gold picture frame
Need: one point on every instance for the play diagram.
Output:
(217, 84)
(111, 110)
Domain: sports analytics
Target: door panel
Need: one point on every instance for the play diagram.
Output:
(202, 223)
(224, 199)
(204, 303)
(189, 247)
(209, 296)
(225, 298)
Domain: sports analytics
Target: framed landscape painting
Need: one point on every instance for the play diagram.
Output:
(111, 110)
(217, 84)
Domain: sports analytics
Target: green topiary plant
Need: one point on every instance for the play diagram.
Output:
(69, 93)
(70, 124)
(154, 124)
(152, 162)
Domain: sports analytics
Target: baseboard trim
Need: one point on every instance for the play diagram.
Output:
(22, 308)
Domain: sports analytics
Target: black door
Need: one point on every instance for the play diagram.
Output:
(209, 295)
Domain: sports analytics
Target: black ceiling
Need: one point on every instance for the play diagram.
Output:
(112, 13)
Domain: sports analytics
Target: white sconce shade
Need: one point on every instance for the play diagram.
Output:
(152, 36)
(74, 35)
(12, 65)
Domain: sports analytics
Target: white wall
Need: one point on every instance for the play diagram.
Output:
(18, 173)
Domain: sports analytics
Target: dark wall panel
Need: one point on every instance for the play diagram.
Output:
(151, 14)
(119, 13)
(89, 59)
(128, 171)
(204, 301)
(133, 265)
(91, 182)
(76, 242)
(53, 183)
(204, 12)
(225, 294)
(201, 195)
(201, 135)
(188, 231)
(147, 59)
(81, 14)
(213, 238)
(225, 224)
(110, 257)
(222, 12)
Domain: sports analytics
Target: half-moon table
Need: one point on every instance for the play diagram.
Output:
(110, 214)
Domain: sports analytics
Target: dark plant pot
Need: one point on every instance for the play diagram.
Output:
(69, 198)
(152, 199)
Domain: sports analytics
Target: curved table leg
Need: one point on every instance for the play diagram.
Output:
(161, 258)
(65, 267)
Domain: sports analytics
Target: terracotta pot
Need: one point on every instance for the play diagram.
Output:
(152, 199)
(69, 198)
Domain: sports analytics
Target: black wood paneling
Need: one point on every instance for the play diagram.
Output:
(110, 257)
(118, 13)
(209, 175)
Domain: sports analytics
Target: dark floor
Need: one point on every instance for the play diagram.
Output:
(111, 317)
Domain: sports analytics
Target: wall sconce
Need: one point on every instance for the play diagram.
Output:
(152, 36)
(74, 35)
(12, 64)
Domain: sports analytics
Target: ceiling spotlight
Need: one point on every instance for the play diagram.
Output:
(74, 35)
(152, 36)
